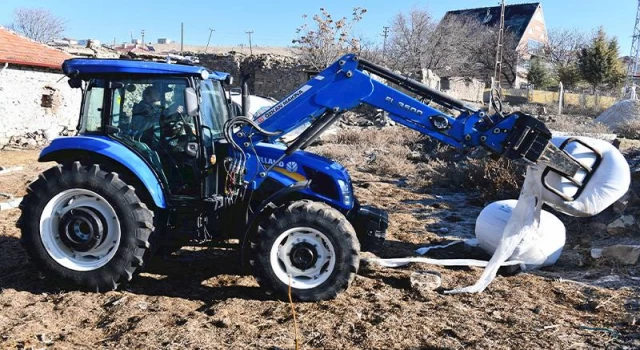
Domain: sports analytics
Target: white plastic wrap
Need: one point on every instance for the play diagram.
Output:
(524, 221)
(535, 250)
(609, 182)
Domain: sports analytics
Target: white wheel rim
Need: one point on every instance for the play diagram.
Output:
(94, 258)
(287, 272)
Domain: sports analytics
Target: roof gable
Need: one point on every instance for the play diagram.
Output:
(17, 49)
(516, 17)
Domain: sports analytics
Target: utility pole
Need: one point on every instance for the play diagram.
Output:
(385, 33)
(632, 70)
(181, 38)
(211, 30)
(249, 32)
(496, 102)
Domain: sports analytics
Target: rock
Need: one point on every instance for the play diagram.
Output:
(32, 143)
(597, 227)
(625, 145)
(623, 224)
(425, 280)
(624, 254)
(542, 110)
(45, 339)
(621, 204)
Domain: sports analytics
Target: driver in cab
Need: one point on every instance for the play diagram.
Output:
(146, 113)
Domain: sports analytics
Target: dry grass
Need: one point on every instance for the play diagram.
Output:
(577, 125)
(383, 152)
(397, 153)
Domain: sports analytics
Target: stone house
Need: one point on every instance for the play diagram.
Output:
(271, 75)
(34, 95)
(524, 21)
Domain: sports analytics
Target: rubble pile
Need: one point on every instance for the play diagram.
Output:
(37, 138)
(621, 115)
(365, 116)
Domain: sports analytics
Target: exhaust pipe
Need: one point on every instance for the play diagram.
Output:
(244, 88)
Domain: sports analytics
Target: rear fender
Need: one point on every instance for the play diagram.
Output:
(65, 148)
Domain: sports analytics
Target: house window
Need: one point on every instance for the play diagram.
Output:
(535, 47)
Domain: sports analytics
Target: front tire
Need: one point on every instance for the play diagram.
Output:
(85, 226)
(308, 245)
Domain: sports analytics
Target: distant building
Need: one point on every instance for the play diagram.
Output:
(525, 21)
(84, 42)
(164, 41)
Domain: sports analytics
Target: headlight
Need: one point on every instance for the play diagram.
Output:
(346, 192)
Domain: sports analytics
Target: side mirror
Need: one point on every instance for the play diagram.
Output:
(191, 101)
(75, 83)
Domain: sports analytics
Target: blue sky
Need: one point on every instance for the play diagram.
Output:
(274, 21)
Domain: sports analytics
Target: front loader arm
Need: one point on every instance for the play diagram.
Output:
(349, 82)
(345, 84)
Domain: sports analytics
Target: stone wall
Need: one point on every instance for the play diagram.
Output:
(271, 75)
(466, 89)
(228, 63)
(274, 76)
(34, 99)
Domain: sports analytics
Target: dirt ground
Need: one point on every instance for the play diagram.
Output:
(198, 298)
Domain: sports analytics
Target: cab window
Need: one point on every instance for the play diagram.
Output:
(213, 108)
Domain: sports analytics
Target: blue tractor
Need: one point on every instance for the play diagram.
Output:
(159, 163)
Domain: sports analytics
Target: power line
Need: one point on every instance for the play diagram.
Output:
(385, 33)
(249, 32)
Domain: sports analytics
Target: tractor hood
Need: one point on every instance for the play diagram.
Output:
(329, 180)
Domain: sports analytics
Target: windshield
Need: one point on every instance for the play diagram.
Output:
(213, 108)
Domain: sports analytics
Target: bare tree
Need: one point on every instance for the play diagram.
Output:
(483, 55)
(562, 51)
(564, 44)
(326, 39)
(369, 50)
(407, 48)
(456, 46)
(450, 46)
(37, 24)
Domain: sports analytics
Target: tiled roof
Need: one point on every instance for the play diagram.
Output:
(516, 17)
(16, 49)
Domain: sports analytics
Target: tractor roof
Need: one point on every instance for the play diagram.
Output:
(86, 67)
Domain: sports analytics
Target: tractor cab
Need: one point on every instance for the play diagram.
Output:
(169, 115)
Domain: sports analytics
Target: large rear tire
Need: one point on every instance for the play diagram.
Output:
(308, 245)
(85, 225)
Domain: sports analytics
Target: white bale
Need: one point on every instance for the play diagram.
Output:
(609, 182)
(535, 250)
